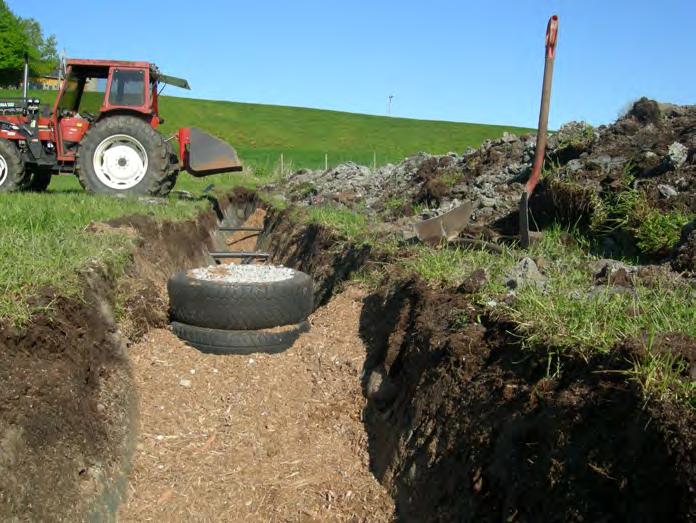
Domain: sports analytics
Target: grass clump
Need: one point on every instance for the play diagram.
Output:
(661, 376)
(351, 225)
(656, 232)
(571, 315)
(570, 312)
(447, 267)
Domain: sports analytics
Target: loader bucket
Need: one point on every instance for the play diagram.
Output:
(445, 227)
(203, 154)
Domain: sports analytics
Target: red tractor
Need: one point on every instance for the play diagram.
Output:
(103, 128)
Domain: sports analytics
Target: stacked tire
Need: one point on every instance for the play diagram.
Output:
(240, 309)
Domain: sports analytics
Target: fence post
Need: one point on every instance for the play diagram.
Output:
(282, 165)
(374, 160)
(326, 161)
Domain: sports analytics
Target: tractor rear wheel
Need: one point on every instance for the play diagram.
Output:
(122, 155)
(13, 174)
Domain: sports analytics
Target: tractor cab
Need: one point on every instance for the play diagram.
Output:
(95, 88)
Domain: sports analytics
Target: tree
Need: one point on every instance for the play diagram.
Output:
(43, 57)
(19, 37)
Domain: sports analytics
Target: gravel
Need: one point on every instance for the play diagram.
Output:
(242, 273)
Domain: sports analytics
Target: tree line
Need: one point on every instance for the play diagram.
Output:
(20, 36)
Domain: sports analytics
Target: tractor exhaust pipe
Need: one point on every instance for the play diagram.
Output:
(25, 82)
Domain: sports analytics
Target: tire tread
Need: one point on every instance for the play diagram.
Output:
(217, 341)
(240, 306)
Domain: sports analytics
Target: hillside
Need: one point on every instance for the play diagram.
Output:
(262, 132)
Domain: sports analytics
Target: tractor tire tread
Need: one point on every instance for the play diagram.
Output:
(18, 177)
(161, 175)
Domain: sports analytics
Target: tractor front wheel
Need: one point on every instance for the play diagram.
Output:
(122, 155)
(13, 174)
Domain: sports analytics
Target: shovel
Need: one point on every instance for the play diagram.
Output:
(551, 37)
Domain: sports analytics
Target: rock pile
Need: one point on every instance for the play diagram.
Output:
(651, 149)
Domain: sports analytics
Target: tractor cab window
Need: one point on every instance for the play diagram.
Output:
(92, 96)
(71, 93)
(127, 88)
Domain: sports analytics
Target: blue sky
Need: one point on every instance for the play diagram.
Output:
(474, 61)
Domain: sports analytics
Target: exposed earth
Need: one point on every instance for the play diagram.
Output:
(260, 438)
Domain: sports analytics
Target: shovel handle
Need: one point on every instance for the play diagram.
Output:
(551, 38)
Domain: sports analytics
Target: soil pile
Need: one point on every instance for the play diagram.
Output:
(425, 184)
(610, 179)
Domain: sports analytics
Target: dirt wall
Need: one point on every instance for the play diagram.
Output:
(465, 425)
(67, 408)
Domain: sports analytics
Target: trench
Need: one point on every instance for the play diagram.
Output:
(454, 420)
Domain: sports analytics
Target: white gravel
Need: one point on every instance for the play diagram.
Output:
(243, 273)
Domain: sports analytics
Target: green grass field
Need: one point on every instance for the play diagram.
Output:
(262, 132)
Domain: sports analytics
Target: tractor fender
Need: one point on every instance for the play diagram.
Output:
(146, 117)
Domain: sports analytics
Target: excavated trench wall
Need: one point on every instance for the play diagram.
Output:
(68, 411)
(471, 427)
(466, 425)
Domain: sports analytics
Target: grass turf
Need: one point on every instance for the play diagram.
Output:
(44, 242)
(569, 315)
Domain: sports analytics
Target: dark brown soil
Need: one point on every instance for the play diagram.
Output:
(685, 258)
(651, 150)
(465, 425)
(61, 404)
(66, 403)
(478, 429)
(312, 249)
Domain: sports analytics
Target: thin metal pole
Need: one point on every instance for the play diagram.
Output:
(25, 83)
(239, 254)
(326, 161)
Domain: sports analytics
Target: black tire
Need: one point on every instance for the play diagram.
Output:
(13, 174)
(240, 306)
(160, 176)
(38, 181)
(215, 341)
